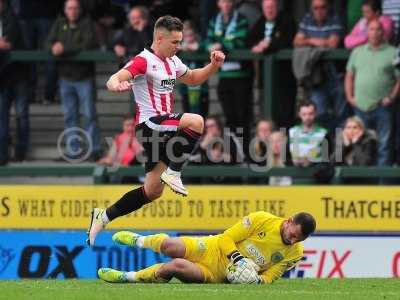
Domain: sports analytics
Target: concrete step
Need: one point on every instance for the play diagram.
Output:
(103, 108)
(40, 138)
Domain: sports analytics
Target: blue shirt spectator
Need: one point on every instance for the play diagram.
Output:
(323, 29)
(330, 27)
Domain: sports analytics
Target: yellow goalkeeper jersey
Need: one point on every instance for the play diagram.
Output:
(257, 236)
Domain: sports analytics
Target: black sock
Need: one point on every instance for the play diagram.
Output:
(179, 149)
(129, 202)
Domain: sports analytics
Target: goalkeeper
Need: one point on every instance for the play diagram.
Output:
(257, 249)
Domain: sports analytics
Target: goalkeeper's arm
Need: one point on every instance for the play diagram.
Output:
(239, 232)
(276, 271)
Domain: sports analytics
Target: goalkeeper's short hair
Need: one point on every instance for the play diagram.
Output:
(307, 223)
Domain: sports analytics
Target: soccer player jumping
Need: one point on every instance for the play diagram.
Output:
(257, 249)
(152, 75)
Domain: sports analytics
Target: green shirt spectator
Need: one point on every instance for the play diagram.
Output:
(230, 35)
(374, 74)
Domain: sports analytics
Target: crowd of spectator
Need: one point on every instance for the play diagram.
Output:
(360, 98)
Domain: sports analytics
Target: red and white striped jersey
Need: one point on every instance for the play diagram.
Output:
(154, 82)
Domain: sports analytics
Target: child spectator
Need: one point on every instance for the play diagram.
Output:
(277, 157)
(125, 146)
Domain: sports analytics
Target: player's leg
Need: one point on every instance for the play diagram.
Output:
(182, 269)
(131, 201)
(186, 271)
(160, 243)
(190, 129)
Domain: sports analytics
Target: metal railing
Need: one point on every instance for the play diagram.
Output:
(270, 63)
(100, 174)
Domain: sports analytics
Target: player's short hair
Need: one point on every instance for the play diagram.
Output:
(169, 23)
(306, 222)
(305, 103)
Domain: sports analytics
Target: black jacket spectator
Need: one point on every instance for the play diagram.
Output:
(11, 33)
(282, 34)
(74, 39)
(133, 40)
(361, 153)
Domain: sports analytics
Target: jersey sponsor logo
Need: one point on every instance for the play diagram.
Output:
(259, 258)
(276, 257)
(168, 83)
(173, 116)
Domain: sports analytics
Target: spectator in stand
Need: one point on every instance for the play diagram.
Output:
(13, 87)
(137, 35)
(258, 154)
(358, 145)
(300, 7)
(371, 10)
(36, 18)
(371, 88)
(207, 9)
(228, 31)
(218, 146)
(277, 158)
(69, 35)
(250, 9)
(194, 98)
(321, 29)
(125, 147)
(107, 17)
(308, 141)
(391, 8)
(273, 30)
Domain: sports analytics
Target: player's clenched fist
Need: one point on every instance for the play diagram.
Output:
(124, 86)
(217, 58)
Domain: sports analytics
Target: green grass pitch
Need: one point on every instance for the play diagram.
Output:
(299, 289)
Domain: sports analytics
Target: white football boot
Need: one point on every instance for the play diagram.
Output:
(96, 225)
(173, 180)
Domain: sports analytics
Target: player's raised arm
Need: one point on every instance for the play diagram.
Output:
(198, 76)
(120, 81)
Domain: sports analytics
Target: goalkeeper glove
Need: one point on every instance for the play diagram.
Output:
(236, 257)
(242, 270)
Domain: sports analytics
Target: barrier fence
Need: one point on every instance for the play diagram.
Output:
(101, 174)
(270, 65)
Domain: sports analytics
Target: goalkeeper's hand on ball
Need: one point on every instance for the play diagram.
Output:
(242, 270)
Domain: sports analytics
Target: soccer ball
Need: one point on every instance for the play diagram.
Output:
(241, 273)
